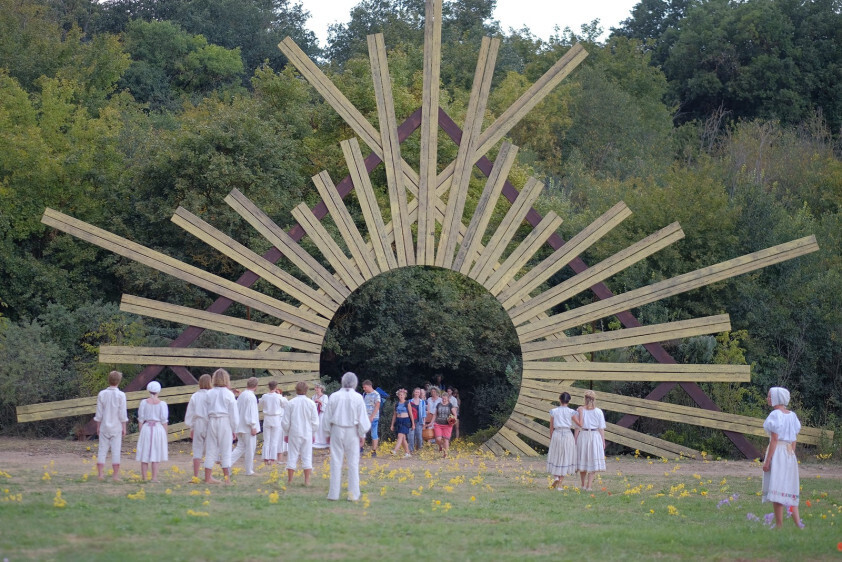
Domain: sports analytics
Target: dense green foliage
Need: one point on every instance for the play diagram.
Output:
(724, 116)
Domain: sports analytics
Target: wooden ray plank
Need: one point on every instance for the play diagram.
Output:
(505, 444)
(368, 204)
(486, 449)
(649, 443)
(495, 447)
(583, 240)
(505, 232)
(425, 249)
(171, 395)
(523, 253)
(615, 339)
(334, 255)
(526, 427)
(404, 248)
(667, 288)
(362, 255)
(350, 114)
(512, 436)
(469, 248)
(254, 262)
(261, 222)
(190, 357)
(465, 160)
(665, 411)
(512, 116)
(183, 271)
(597, 273)
(304, 341)
(598, 371)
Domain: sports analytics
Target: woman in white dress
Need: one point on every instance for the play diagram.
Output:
(321, 399)
(780, 469)
(561, 458)
(152, 415)
(590, 441)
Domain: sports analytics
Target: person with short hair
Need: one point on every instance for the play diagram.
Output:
(223, 419)
(561, 458)
(372, 407)
(153, 416)
(111, 418)
(196, 418)
(301, 420)
(248, 428)
(273, 405)
(320, 399)
(445, 417)
(781, 484)
(347, 422)
(590, 441)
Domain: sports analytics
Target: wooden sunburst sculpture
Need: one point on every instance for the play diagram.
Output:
(552, 362)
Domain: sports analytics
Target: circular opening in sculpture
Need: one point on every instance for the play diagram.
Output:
(418, 326)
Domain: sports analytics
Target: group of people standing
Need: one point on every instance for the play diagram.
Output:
(577, 441)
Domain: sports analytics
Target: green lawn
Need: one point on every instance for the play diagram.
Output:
(468, 508)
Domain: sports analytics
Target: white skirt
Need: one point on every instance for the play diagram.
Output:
(781, 483)
(589, 451)
(561, 459)
(321, 435)
(152, 443)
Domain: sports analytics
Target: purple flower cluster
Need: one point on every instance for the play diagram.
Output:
(727, 501)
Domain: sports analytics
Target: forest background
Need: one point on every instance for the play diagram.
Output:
(723, 116)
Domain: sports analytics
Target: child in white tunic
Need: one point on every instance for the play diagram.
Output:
(320, 399)
(273, 404)
(152, 415)
(301, 420)
(780, 470)
(111, 418)
(248, 427)
(223, 419)
(561, 458)
(590, 441)
(196, 418)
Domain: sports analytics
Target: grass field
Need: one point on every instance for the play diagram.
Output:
(471, 507)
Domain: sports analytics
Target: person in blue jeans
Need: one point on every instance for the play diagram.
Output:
(419, 409)
(372, 408)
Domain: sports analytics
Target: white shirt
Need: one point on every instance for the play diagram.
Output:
(247, 407)
(786, 426)
(346, 408)
(197, 407)
(273, 404)
(301, 418)
(562, 417)
(220, 402)
(111, 411)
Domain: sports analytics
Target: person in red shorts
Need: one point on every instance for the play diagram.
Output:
(444, 419)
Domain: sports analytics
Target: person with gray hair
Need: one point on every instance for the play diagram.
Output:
(346, 422)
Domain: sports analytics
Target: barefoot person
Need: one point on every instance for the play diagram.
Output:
(561, 458)
(152, 415)
(248, 427)
(590, 441)
(196, 418)
(273, 404)
(223, 419)
(301, 420)
(111, 418)
(347, 421)
(781, 484)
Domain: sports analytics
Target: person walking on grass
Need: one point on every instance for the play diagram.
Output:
(402, 418)
(781, 484)
(419, 415)
(372, 408)
(196, 418)
(561, 458)
(223, 419)
(445, 417)
(590, 441)
(248, 427)
(111, 419)
(300, 422)
(153, 416)
(347, 423)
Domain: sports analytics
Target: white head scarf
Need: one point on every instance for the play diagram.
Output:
(154, 387)
(779, 396)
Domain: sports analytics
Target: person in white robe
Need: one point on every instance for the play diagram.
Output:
(152, 446)
(321, 400)
(248, 428)
(347, 422)
(223, 419)
(111, 419)
(781, 484)
(196, 418)
(273, 405)
(301, 420)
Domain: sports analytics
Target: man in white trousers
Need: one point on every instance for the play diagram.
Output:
(248, 428)
(300, 422)
(347, 423)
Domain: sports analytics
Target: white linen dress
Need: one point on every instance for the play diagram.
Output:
(321, 433)
(561, 458)
(589, 451)
(152, 442)
(781, 483)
